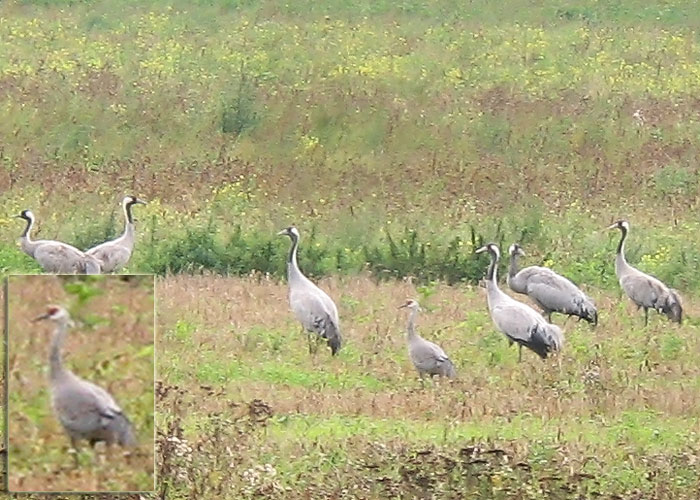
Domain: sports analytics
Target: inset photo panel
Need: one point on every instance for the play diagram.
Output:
(80, 383)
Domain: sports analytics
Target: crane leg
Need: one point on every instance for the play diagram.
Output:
(520, 353)
(549, 316)
(74, 451)
(646, 316)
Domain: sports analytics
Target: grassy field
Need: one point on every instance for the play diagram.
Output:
(236, 118)
(615, 415)
(112, 347)
(398, 137)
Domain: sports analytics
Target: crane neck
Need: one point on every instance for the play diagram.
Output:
(292, 265)
(513, 267)
(411, 324)
(620, 262)
(621, 245)
(127, 212)
(27, 229)
(28, 246)
(55, 357)
(491, 272)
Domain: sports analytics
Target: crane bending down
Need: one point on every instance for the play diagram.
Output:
(85, 410)
(313, 308)
(427, 357)
(551, 291)
(517, 321)
(55, 256)
(643, 289)
(115, 254)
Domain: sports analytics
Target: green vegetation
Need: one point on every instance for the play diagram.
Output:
(614, 415)
(398, 136)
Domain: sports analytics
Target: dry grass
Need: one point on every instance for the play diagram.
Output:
(618, 405)
(112, 346)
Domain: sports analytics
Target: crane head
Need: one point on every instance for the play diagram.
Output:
(622, 225)
(54, 313)
(26, 215)
(290, 231)
(492, 248)
(133, 200)
(411, 304)
(516, 249)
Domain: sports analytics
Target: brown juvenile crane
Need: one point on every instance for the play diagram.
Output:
(85, 410)
(427, 357)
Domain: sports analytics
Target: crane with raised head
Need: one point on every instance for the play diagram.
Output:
(54, 256)
(519, 322)
(314, 309)
(644, 290)
(115, 254)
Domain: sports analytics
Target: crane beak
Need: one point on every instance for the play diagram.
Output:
(481, 250)
(39, 318)
(613, 226)
(282, 232)
(140, 201)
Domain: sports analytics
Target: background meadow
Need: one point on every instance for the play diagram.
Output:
(398, 137)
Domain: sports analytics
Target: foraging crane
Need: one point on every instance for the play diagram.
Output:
(426, 357)
(313, 308)
(54, 256)
(551, 291)
(517, 321)
(645, 290)
(85, 410)
(116, 253)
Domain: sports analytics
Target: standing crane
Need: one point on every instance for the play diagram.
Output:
(54, 256)
(519, 322)
(312, 306)
(114, 254)
(551, 291)
(427, 357)
(645, 290)
(85, 410)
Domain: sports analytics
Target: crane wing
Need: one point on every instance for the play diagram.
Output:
(317, 313)
(84, 407)
(56, 257)
(112, 256)
(516, 320)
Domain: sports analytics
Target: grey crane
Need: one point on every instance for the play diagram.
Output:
(645, 290)
(55, 256)
(551, 291)
(85, 410)
(517, 321)
(427, 357)
(114, 254)
(312, 306)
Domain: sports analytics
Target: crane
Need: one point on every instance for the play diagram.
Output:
(519, 322)
(427, 357)
(85, 410)
(314, 309)
(55, 256)
(115, 254)
(644, 290)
